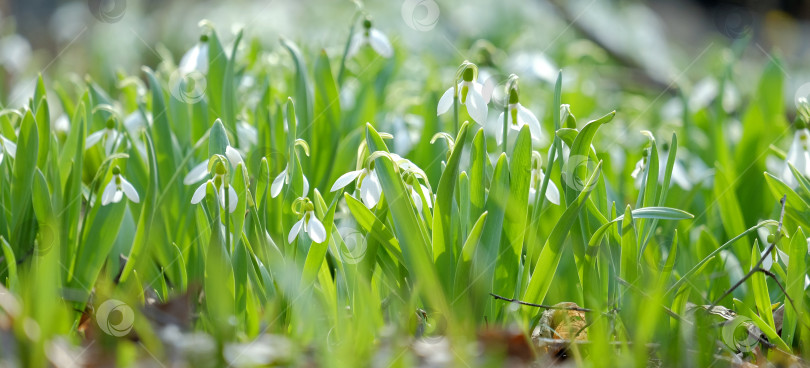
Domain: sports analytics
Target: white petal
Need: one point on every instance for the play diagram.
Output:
(767, 262)
(532, 195)
(195, 59)
(233, 156)
(197, 173)
(379, 42)
(426, 194)
(370, 190)
(476, 106)
(278, 182)
(199, 194)
(358, 40)
(445, 102)
(129, 190)
(118, 196)
(92, 139)
(552, 193)
(315, 229)
(9, 146)
(1, 156)
(306, 186)
(109, 193)
(345, 180)
(295, 230)
(233, 199)
(527, 117)
(417, 200)
(795, 156)
(109, 144)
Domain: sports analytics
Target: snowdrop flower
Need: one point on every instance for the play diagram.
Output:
(284, 178)
(798, 155)
(536, 181)
(679, 174)
(7, 147)
(518, 115)
(418, 192)
(776, 255)
(109, 135)
(308, 223)
(367, 183)
(196, 58)
(117, 188)
(469, 94)
(372, 37)
(200, 171)
(218, 181)
(638, 171)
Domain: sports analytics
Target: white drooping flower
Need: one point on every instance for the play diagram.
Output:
(109, 135)
(196, 58)
(418, 192)
(778, 255)
(469, 94)
(117, 188)
(372, 37)
(218, 181)
(200, 171)
(282, 179)
(799, 156)
(518, 117)
(536, 182)
(7, 147)
(367, 183)
(679, 176)
(308, 223)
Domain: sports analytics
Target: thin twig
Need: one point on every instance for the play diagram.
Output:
(578, 309)
(756, 267)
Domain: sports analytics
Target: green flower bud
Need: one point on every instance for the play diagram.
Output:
(110, 124)
(116, 170)
(468, 74)
(220, 168)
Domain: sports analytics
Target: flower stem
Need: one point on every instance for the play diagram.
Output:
(455, 113)
(505, 126)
